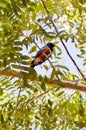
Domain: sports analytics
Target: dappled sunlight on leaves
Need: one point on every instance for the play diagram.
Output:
(36, 98)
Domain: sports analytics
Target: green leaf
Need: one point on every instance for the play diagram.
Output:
(50, 102)
(24, 57)
(32, 49)
(43, 86)
(81, 110)
(61, 66)
(1, 91)
(2, 119)
(30, 9)
(60, 93)
(16, 66)
(52, 74)
(80, 56)
(46, 67)
(59, 48)
(18, 48)
(50, 112)
(5, 70)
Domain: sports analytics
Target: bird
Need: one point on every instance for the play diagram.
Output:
(43, 54)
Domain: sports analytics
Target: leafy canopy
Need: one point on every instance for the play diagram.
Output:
(27, 99)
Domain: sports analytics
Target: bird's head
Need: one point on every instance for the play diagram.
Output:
(50, 45)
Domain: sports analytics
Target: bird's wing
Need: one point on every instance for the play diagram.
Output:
(40, 51)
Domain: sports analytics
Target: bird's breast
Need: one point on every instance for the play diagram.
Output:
(37, 60)
(45, 54)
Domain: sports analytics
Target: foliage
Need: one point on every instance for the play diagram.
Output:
(28, 100)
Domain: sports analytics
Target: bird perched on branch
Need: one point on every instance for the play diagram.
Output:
(43, 54)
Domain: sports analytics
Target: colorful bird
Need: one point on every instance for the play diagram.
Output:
(43, 54)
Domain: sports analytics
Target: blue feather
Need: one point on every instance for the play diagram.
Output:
(40, 51)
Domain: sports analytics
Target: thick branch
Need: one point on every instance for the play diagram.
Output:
(66, 84)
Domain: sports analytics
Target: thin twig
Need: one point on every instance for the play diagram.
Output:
(17, 102)
(69, 98)
(45, 6)
(45, 92)
(63, 43)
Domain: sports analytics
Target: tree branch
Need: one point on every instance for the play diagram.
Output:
(66, 84)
